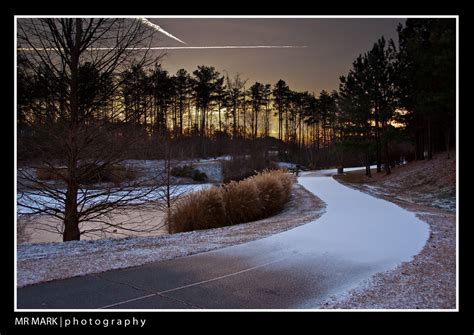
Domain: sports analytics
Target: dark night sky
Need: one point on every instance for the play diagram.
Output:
(332, 45)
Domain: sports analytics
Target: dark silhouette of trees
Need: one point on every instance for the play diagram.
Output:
(206, 81)
(380, 67)
(426, 71)
(135, 92)
(220, 95)
(257, 101)
(266, 100)
(75, 80)
(162, 91)
(183, 91)
(356, 117)
(280, 99)
(235, 88)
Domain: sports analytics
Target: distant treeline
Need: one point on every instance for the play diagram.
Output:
(393, 94)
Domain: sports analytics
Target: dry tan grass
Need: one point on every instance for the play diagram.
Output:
(272, 190)
(242, 201)
(237, 202)
(198, 210)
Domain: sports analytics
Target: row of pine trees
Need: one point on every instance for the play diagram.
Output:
(393, 92)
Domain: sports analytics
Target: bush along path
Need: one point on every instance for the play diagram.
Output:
(357, 237)
(251, 199)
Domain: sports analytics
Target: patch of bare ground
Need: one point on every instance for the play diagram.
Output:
(428, 281)
(49, 261)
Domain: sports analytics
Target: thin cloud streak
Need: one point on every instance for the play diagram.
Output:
(159, 29)
(188, 47)
(235, 47)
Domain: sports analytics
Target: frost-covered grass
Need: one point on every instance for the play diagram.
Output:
(429, 182)
(253, 198)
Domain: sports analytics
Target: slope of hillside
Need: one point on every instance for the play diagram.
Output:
(430, 182)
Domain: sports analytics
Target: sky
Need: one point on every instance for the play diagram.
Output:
(331, 45)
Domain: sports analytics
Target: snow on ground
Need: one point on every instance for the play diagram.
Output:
(212, 167)
(49, 261)
(426, 282)
(286, 165)
(429, 183)
(357, 226)
(356, 238)
(220, 158)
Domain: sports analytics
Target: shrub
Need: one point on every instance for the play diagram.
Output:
(272, 192)
(187, 171)
(236, 202)
(198, 210)
(184, 171)
(286, 182)
(242, 201)
(199, 176)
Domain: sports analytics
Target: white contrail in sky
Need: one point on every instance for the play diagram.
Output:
(188, 47)
(233, 47)
(161, 30)
(158, 28)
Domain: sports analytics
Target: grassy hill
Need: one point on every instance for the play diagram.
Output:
(428, 182)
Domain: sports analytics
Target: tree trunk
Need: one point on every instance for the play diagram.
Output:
(317, 136)
(378, 140)
(203, 121)
(447, 134)
(71, 216)
(387, 162)
(244, 120)
(368, 173)
(234, 118)
(255, 124)
(280, 124)
(219, 111)
(181, 110)
(421, 148)
(71, 219)
(417, 145)
(430, 141)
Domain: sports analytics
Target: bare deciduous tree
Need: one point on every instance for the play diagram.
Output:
(76, 63)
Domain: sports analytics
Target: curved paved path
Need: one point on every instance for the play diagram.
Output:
(358, 236)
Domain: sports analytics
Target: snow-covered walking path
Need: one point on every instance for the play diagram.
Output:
(357, 237)
(357, 226)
